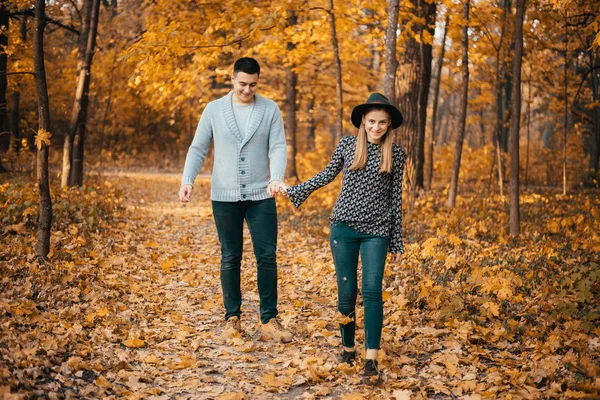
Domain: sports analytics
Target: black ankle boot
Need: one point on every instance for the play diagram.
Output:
(371, 368)
(349, 357)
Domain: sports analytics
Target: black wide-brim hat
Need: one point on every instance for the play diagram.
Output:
(377, 100)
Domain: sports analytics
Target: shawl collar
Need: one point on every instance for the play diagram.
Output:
(260, 105)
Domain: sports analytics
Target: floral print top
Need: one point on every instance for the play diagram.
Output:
(370, 201)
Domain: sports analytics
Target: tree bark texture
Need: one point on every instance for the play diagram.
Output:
(77, 111)
(42, 246)
(15, 134)
(338, 75)
(78, 123)
(462, 108)
(391, 62)
(4, 21)
(595, 139)
(291, 80)
(436, 96)
(312, 124)
(566, 102)
(413, 70)
(515, 123)
(426, 57)
(507, 87)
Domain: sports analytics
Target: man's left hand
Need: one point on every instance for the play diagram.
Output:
(273, 187)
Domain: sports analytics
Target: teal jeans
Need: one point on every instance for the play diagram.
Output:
(346, 245)
(261, 217)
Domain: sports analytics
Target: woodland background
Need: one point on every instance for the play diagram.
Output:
(109, 287)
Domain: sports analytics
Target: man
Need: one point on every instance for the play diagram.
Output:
(249, 163)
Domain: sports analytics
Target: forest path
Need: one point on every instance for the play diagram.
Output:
(167, 258)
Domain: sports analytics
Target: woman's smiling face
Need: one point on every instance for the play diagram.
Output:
(377, 123)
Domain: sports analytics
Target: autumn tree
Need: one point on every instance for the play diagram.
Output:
(462, 108)
(4, 20)
(73, 148)
(42, 247)
(436, 94)
(391, 61)
(291, 80)
(515, 123)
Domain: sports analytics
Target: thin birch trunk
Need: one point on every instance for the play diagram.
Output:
(76, 177)
(391, 62)
(436, 96)
(338, 75)
(463, 107)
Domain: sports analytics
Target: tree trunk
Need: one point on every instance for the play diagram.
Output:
(312, 125)
(528, 129)
(436, 95)
(515, 123)
(76, 113)
(463, 107)
(4, 21)
(15, 134)
(42, 246)
(391, 62)
(291, 81)
(426, 56)
(78, 123)
(338, 75)
(447, 115)
(407, 94)
(566, 99)
(595, 140)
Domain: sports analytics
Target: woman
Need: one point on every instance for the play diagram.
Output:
(366, 219)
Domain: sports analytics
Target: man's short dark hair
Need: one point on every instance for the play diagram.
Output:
(247, 65)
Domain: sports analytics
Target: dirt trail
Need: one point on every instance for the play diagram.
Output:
(166, 259)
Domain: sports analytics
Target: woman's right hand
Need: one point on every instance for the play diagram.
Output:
(283, 190)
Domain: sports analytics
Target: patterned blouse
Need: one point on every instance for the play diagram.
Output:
(370, 201)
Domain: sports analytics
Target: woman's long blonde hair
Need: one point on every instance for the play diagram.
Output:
(387, 143)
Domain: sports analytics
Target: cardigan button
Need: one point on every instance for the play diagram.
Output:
(243, 159)
(243, 172)
(243, 196)
(243, 186)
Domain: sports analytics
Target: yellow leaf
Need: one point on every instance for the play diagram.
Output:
(134, 343)
(342, 319)
(246, 347)
(152, 359)
(42, 138)
(102, 382)
(352, 397)
(451, 363)
(166, 266)
(490, 309)
(271, 380)
(186, 362)
(385, 296)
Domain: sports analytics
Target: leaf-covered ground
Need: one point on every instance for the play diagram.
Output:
(129, 305)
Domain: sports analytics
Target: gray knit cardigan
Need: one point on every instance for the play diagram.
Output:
(244, 164)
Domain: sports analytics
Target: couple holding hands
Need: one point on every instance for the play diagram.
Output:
(249, 163)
